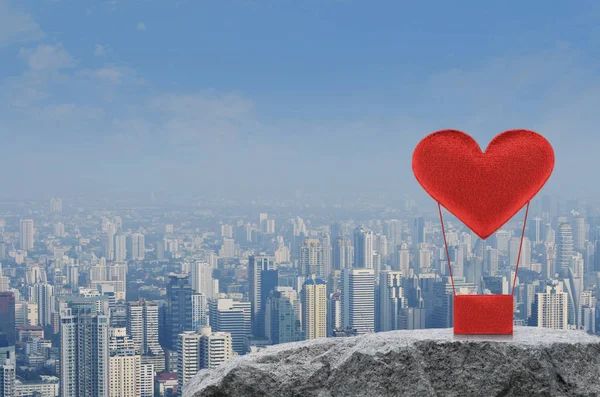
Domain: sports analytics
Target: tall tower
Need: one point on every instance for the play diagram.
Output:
(418, 231)
(124, 365)
(358, 300)
(120, 247)
(262, 279)
(56, 205)
(109, 241)
(7, 316)
(26, 234)
(136, 247)
(282, 323)
(312, 258)
(564, 251)
(314, 308)
(391, 299)
(549, 309)
(179, 308)
(84, 354)
(578, 233)
(215, 348)
(363, 248)
(228, 315)
(343, 253)
(202, 279)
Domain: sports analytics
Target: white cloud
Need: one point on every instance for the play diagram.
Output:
(100, 50)
(141, 26)
(17, 27)
(46, 57)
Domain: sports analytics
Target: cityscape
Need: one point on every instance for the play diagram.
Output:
(134, 300)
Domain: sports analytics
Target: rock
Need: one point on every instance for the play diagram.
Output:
(432, 362)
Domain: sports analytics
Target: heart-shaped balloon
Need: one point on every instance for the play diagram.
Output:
(483, 189)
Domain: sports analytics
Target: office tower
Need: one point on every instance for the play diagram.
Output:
(363, 248)
(513, 255)
(198, 350)
(314, 308)
(84, 355)
(120, 247)
(109, 241)
(262, 279)
(270, 226)
(7, 316)
(578, 228)
(262, 222)
(564, 249)
(227, 248)
(136, 247)
(215, 348)
(549, 309)
(424, 262)
(26, 234)
(312, 258)
(334, 313)
(160, 250)
(418, 231)
(179, 308)
(7, 378)
(59, 229)
(124, 365)
(56, 205)
(26, 313)
(282, 323)
(495, 284)
(535, 231)
(391, 299)
(142, 326)
(43, 295)
(401, 259)
(199, 311)
(358, 300)
(502, 238)
(118, 223)
(327, 255)
(343, 253)
(491, 261)
(4, 281)
(202, 279)
(229, 315)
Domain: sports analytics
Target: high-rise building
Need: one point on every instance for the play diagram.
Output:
(229, 315)
(124, 365)
(84, 357)
(391, 299)
(7, 378)
(363, 248)
(142, 326)
(312, 258)
(199, 311)
(7, 316)
(343, 253)
(109, 241)
(202, 279)
(188, 358)
(578, 227)
(120, 247)
(26, 234)
(513, 254)
(282, 323)
(334, 313)
(358, 300)
(418, 231)
(314, 308)
(59, 229)
(227, 248)
(215, 348)
(491, 261)
(179, 308)
(549, 309)
(43, 295)
(262, 279)
(56, 205)
(502, 238)
(564, 249)
(136, 246)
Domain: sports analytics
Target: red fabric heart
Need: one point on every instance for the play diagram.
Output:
(483, 189)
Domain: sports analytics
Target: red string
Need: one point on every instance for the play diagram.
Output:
(520, 246)
(446, 245)
(518, 256)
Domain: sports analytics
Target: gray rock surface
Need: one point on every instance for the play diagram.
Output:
(423, 363)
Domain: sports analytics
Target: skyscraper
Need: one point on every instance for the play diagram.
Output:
(84, 354)
(109, 241)
(120, 247)
(43, 295)
(215, 348)
(202, 279)
(229, 315)
(26, 234)
(262, 279)
(56, 205)
(418, 231)
(391, 299)
(124, 365)
(564, 251)
(7, 378)
(363, 248)
(199, 311)
(179, 308)
(282, 323)
(549, 309)
(136, 246)
(578, 227)
(142, 326)
(7, 316)
(314, 308)
(343, 253)
(312, 258)
(358, 299)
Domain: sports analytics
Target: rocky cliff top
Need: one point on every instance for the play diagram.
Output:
(432, 362)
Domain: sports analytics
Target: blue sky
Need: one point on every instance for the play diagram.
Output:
(250, 96)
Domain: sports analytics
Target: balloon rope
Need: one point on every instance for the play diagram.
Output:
(520, 246)
(446, 245)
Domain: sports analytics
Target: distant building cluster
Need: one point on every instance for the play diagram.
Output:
(134, 301)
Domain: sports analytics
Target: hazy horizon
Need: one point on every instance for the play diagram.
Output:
(249, 98)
